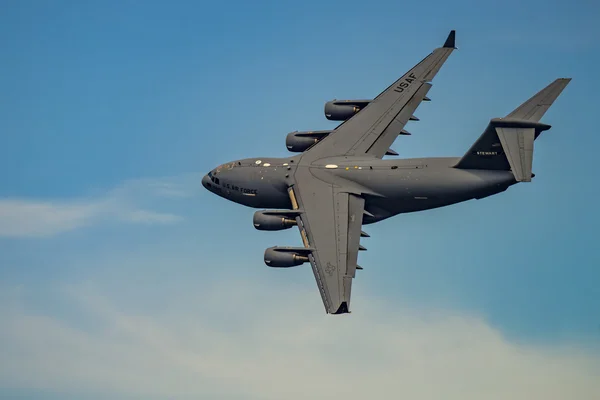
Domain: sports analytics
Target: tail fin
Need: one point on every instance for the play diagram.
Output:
(507, 143)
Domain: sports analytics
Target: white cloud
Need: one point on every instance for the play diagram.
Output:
(241, 340)
(33, 217)
(19, 217)
(150, 217)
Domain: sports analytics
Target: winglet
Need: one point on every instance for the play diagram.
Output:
(451, 40)
(343, 309)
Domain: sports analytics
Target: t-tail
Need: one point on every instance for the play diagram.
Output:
(507, 143)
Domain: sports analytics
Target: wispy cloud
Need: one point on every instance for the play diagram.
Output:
(234, 341)
(21, 217)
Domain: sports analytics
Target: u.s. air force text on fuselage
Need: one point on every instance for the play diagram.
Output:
(340, 181)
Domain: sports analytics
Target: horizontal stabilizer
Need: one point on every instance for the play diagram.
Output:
(535, 108)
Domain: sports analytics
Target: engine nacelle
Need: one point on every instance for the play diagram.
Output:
(286, 257)
(274, 220)
(341, 110)
(297, 142)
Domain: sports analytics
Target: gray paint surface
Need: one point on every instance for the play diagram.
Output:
(341, 182)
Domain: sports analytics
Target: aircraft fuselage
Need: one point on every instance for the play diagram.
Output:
(389, 186)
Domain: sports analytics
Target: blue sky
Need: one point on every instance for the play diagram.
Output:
(120, 277)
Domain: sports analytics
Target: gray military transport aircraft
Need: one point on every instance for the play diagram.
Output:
(340, 182)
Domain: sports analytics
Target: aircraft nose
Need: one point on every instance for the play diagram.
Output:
(206, 182)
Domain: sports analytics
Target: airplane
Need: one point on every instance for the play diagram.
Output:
(341, 182)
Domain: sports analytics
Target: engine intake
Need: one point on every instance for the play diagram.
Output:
(341, 110)
(297, 142)
(274, 220)
(286, 257)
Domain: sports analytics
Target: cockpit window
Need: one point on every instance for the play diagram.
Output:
(213, 178)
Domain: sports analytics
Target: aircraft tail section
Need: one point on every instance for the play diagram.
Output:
(507, 143)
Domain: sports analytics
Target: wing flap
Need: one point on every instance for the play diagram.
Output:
(356, 206)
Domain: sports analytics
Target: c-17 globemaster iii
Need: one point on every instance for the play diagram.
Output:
(340, 182)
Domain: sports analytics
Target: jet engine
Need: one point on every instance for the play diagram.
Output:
(274, 220)
(341, 110)
(286, 257)
(297, 142)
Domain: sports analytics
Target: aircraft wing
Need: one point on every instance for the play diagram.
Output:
(330, 225)
(372, 130)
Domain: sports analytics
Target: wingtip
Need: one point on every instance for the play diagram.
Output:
(451, 40)
(562, 82)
